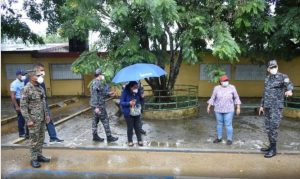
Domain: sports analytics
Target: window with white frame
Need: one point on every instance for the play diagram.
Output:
(250, 72)
(12, 68)
(204, 74)
(63, 72)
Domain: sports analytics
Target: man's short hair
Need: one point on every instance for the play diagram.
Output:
(31, 73)
(37, 66)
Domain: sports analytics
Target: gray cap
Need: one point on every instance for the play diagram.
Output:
(98, 71)
(272, 63)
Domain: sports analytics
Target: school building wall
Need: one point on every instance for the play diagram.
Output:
(189, 74)
(55, 87)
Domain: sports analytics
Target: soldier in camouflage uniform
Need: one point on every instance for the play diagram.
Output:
(97, 102)
(277, 85)
(34, 109)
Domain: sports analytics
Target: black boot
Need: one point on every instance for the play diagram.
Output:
(43, 159)
(35, 164)
(96, 138)
(111, 138)
(272, 152)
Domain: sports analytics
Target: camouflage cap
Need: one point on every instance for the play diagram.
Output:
(272, 63)
(98, 71)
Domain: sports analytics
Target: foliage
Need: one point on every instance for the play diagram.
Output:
(166, 31)
(13, 28)
(54, 38)
(214, 72)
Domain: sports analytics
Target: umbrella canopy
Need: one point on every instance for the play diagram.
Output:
(137, 72)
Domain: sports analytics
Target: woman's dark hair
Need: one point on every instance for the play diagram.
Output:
(130, 85)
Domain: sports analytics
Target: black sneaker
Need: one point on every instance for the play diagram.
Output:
(43, 159)
(22, 136)
(112, 139)
(217, 141)
(142, 131)
(229, 142)
(35, 164)
(57, 140)
(96, 138)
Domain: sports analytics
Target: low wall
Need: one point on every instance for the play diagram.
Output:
(175, 114)
(291, 112)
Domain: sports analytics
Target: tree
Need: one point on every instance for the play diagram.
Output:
(159, 31)
(13, 28)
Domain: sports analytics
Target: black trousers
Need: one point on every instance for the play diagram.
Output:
(133, 122)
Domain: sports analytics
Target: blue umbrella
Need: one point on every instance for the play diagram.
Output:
(137, 72)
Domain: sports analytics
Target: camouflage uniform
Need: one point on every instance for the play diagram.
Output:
(33, 107)
(98, 94)
(273, 102)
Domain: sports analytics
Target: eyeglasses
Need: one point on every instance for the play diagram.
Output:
(38, 75)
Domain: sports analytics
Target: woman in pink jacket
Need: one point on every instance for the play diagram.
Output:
(224, 99)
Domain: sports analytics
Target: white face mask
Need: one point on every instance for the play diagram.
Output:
(273, 71)
(43, 73)
(40, 79)
(225, 83)
(135, 90)
(23, 78)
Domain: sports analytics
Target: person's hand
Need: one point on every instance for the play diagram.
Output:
(238, 111)
(48, 119)
(143, 95)
(261, 111)
(132, 103)
(30, 123)
(97, 111)
(288, 93)
(208, 109)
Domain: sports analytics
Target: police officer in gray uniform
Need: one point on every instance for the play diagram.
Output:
(277, 85)
(97, 102)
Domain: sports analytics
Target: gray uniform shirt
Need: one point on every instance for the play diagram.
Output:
(98, 94)
(275, 87)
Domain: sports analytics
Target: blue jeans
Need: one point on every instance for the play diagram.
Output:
(51, 130)
(224, 119)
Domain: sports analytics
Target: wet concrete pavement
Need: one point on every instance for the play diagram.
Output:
(66, 163)
(9, 132)
(195, 134)
(7, 109)
(172, 148)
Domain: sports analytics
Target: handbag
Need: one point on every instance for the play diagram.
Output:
(136, 110)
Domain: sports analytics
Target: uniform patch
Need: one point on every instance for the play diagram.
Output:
(286, 80)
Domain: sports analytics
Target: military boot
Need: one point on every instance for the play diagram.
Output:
(35, 164)
(111, 139)
(43, 159)
(272, 152)
(96, 138)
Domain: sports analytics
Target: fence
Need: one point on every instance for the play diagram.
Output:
(182, 96)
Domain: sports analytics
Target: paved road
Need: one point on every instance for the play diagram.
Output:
(72, 163)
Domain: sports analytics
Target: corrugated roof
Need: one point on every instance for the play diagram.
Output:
(58, 47)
